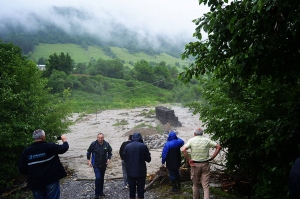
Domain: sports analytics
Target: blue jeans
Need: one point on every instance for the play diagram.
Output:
(174, 174)
(99, 181)
(124, 173)
(136, 184)
(50, 191)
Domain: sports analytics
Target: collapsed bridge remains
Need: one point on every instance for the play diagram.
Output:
(165, 115)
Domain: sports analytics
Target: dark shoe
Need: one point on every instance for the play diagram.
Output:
(102, 194)
(178, 184)
(174, 187)
(96, 197)
(173, 190)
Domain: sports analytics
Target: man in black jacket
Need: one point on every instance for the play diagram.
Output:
(136, 154)
(294, 180)
(101, 152)
(40, 161)
(122, 158)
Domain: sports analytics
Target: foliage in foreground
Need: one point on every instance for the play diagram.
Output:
(25, 105)
(252, 89)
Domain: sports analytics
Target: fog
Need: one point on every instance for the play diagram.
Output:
(170, 18)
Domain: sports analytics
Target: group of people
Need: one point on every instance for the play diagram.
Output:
(40, 161)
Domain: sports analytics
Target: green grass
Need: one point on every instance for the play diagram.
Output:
(121, 123)
(79, 54)
(123, 54)
(119, 96)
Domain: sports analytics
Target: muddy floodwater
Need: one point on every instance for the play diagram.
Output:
(86, 128)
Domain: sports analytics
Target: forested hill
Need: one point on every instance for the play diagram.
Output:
(81, 28)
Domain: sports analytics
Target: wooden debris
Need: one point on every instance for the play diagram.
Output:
(159, 173)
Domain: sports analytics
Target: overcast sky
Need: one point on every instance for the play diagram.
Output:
(170, 17)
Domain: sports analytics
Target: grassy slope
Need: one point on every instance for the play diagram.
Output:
(75, 51)
(123, 54)
(118, 95)
(81, 55)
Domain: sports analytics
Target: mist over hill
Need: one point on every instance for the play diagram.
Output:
(84, 28)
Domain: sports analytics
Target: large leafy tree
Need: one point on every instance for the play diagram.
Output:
(249, 71)
(25, 105)
(62, 62)
(109, 68)
(144, 72)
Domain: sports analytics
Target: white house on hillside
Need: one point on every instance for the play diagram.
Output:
(41, 67)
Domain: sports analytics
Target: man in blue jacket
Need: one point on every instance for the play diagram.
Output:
(41, 163)
(136, 154)
(171, 154)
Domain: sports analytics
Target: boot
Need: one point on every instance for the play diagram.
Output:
(174, 186)
(178, 184)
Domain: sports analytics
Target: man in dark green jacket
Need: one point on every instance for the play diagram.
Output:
(101, 152)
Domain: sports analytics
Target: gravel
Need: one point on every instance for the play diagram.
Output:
(71, 188)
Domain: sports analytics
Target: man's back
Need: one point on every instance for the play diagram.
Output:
(136, 154)
(171, 152)
(41, 163)
(200, 146)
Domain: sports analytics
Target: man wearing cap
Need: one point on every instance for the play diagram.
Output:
(40, 161)
(200, 169)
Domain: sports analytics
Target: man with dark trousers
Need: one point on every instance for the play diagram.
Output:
(136, 154)
(171, 154)
(101, 152)
(122, 158)
(40, 161)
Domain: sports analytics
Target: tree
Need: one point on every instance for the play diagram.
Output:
(80, 68)
(41, 61)
(162, 77)
(60, 62)
(249, 74)
(25, 105)
(144, 72)
(109, 68)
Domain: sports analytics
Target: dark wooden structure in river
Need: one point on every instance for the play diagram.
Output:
(165, 115)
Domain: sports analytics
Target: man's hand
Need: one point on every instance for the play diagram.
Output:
(63, 138)
(108, 161)
(191, 162)
(89, 163)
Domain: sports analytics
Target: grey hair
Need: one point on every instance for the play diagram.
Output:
(38, 134)
(199, 131)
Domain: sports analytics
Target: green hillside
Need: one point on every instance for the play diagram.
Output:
(80, 54)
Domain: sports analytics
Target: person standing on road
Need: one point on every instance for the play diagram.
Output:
(171, 154)
(200, 169)
(136, 154)
(122, 158)
(40, 161)
(101, 152)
